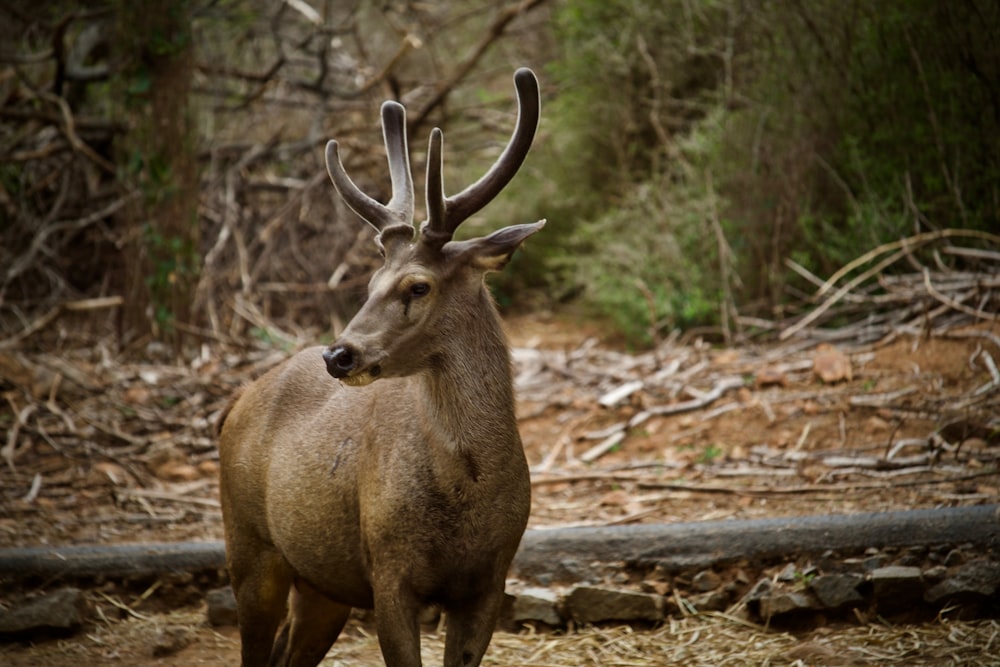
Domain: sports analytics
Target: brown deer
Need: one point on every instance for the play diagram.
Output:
(400, 482)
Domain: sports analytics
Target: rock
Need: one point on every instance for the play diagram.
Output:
(954, 557)
(766, 600)
(706, 580)
(972, 582)
(769, 376)
(592, 604)
(752, 599)
(569, 570)
(656, 586)
(935, 573)
(63, 609)
(913, 556)
(760, 590)
(780, 602)
(537, 604)
(896, 586)
(838, 591)
(872, 563)
(172, 639)
(221, 607)
(831, 365)
(712, 601)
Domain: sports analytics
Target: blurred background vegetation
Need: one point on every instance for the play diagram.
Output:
(700, 162)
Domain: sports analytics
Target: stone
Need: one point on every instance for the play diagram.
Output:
(754, 598)
(913, 556)
(760, 590)
(896, 586)
(837, 591)
(656, 586)
(893, 578)
(872, 563)
(62, 609)
(537, 604)
(782, 602)
(711, 601)
(831, 365)
(221, 607)
(972, 582)
(570, 569)
(706, 580)
(954, 557)
(172, 639)
(595, 604)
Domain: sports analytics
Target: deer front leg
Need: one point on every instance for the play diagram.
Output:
(470, 628)
(396, 611)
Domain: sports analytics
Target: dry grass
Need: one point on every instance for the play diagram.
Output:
(717, 640)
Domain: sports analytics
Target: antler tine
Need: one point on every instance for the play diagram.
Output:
(437, 203)
(399, 210)
(445, 214)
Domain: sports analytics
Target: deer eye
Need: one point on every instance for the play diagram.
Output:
(419, 289)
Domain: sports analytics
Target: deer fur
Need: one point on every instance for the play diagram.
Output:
(386, 470)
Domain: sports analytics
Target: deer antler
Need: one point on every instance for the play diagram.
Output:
(399, 210)
(445, 214)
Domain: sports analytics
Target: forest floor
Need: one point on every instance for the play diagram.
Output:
(103, 451)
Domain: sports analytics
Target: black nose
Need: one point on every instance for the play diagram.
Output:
(340, 360)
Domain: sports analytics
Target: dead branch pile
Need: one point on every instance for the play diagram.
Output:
(273, 84)
(872, 298)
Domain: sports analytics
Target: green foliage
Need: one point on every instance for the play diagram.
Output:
(628, 207)
(813, 131)
(709, 454)
(173, 259)
(867, 124)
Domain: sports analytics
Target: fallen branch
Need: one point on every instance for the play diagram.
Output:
(53, 313)
(720, 388)
(683, 546)
(673, 547)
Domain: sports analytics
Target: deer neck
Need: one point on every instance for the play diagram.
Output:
(470, 389)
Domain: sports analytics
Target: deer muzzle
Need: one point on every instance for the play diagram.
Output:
(345, 363)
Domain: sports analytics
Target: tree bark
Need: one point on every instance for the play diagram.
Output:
(674, 547)
(161, 254)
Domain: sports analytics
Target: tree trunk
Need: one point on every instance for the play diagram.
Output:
(161, 249)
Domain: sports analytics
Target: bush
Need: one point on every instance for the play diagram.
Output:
(685, 131)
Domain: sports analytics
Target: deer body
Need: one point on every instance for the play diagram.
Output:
(386, 470)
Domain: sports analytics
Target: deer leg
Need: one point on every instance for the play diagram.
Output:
(260, 584)
(314, 623)
(396, 614)
(470, 628)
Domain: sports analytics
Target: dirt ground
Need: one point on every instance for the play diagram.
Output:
(101, 451)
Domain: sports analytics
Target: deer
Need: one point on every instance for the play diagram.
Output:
(385, 471)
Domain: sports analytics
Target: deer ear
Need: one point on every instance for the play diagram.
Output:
(491, 253)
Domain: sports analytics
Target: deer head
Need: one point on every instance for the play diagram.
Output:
(428, 282)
